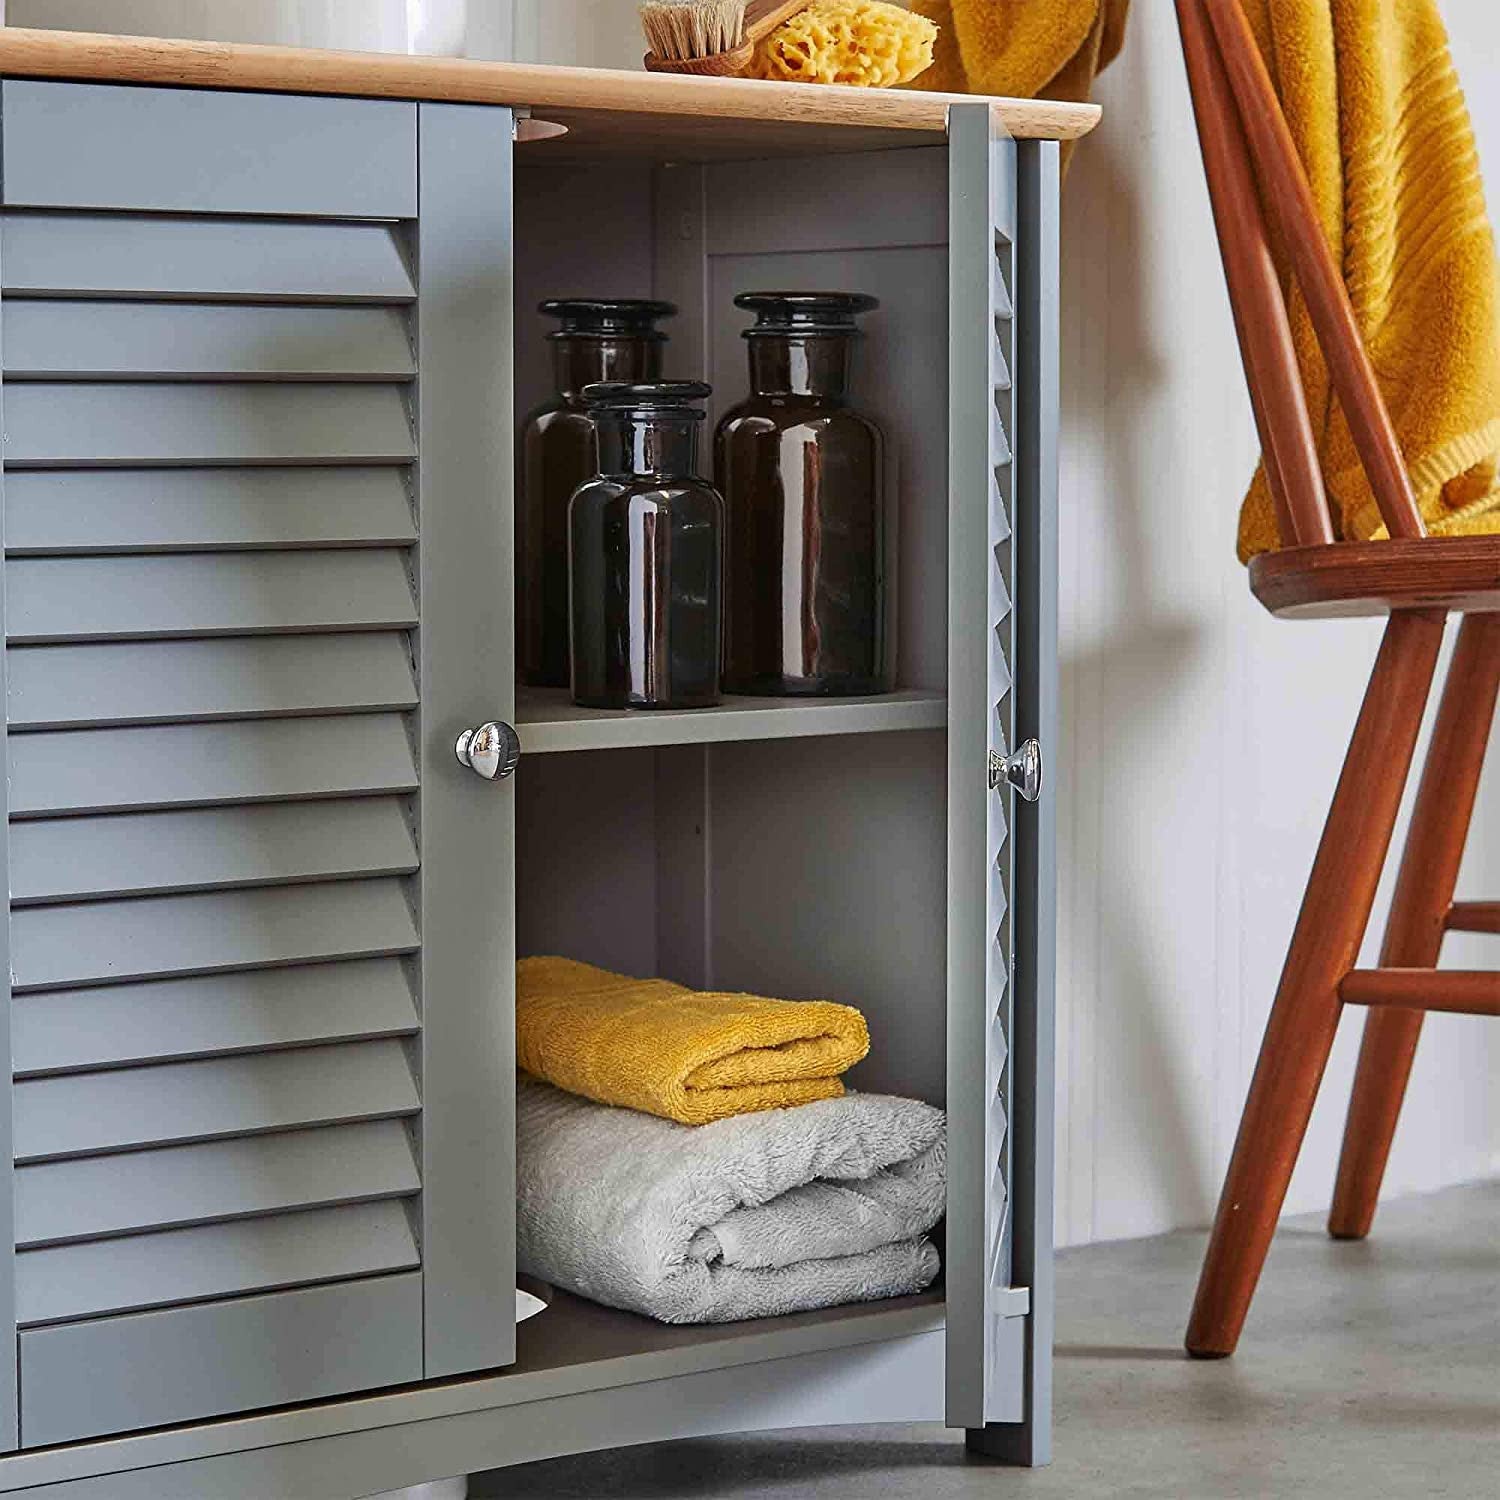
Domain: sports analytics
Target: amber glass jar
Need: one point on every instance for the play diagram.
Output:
(802, 475)
(647, 545)
(598, 340)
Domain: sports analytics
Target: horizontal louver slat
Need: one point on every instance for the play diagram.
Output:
(79, 1114)
(61, 511)
(53, 339)
(136, 854)
(53, 687)
(140, 598)
(73, 1030)
(255, 760)
(176, 259)
(218, 1260)
(83, 1379)
(108, 423)
(184, 150)
(135, 1191)
(102, 942)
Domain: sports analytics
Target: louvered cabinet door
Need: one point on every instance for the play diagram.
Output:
(1002, 674)
(256, 510)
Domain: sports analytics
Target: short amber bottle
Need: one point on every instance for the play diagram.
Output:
(802, 475)
(647, 554)
(599, 339)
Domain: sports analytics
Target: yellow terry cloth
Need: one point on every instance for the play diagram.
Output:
(687, 1055)
(1022, 49)
(1375, 108)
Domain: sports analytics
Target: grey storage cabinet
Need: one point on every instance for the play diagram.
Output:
(259, 409)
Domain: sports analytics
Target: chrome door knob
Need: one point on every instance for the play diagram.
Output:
(491, 750)
(1023, 770)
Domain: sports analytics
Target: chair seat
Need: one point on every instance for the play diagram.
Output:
(1373, 578)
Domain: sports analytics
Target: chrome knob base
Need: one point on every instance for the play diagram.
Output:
(489, 750)
(1021, 771)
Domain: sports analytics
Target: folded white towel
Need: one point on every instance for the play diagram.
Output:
(754, 1216)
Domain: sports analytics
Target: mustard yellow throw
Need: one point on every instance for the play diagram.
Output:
(687, 1055)
(1380, 123)
(1022, 49)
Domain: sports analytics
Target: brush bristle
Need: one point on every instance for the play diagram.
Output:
(678, 30)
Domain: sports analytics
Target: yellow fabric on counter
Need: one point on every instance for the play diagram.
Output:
(687, 1055)
(1380, 123)
(1023, 49)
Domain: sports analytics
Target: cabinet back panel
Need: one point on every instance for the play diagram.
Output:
(827, 880)
(697, 236)
(586, 858)
(557, 258)
(807, 869)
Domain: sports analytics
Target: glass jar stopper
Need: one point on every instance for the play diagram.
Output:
(804, 314)
(607, 317)
(648, 398)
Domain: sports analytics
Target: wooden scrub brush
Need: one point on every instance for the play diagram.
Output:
(710, 37)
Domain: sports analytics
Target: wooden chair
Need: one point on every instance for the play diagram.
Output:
(1416, 580)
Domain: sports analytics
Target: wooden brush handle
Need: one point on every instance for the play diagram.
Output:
(762, 17)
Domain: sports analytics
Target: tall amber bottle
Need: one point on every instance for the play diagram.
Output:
(599, 339)
(802, 476)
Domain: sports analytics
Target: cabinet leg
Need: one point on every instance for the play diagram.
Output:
(1018, 1443)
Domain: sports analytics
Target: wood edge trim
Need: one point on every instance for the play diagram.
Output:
(27, 52)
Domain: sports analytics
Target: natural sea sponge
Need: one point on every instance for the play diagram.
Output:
(862, 42)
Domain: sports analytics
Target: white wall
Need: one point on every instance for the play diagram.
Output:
(1202, 739)
(477, 28)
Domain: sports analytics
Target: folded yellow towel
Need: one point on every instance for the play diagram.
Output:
(1023, 49)
(687, 1055)
(1380, 123)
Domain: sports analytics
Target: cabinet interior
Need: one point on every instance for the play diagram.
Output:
(776, 858)
(789, 848)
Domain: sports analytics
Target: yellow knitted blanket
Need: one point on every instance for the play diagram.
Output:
(1374, 105)
(687, 1055)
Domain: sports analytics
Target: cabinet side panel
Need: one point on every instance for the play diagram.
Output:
(466, 675)
(8, 1415)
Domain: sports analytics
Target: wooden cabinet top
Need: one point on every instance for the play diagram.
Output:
(606, 111)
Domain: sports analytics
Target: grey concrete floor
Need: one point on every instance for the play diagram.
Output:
(1366, 1370)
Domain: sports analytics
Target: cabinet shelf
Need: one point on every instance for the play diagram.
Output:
(595, 1347)
(549, 720)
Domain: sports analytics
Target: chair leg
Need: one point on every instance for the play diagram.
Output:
(1324, 947)
(1414, 934)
